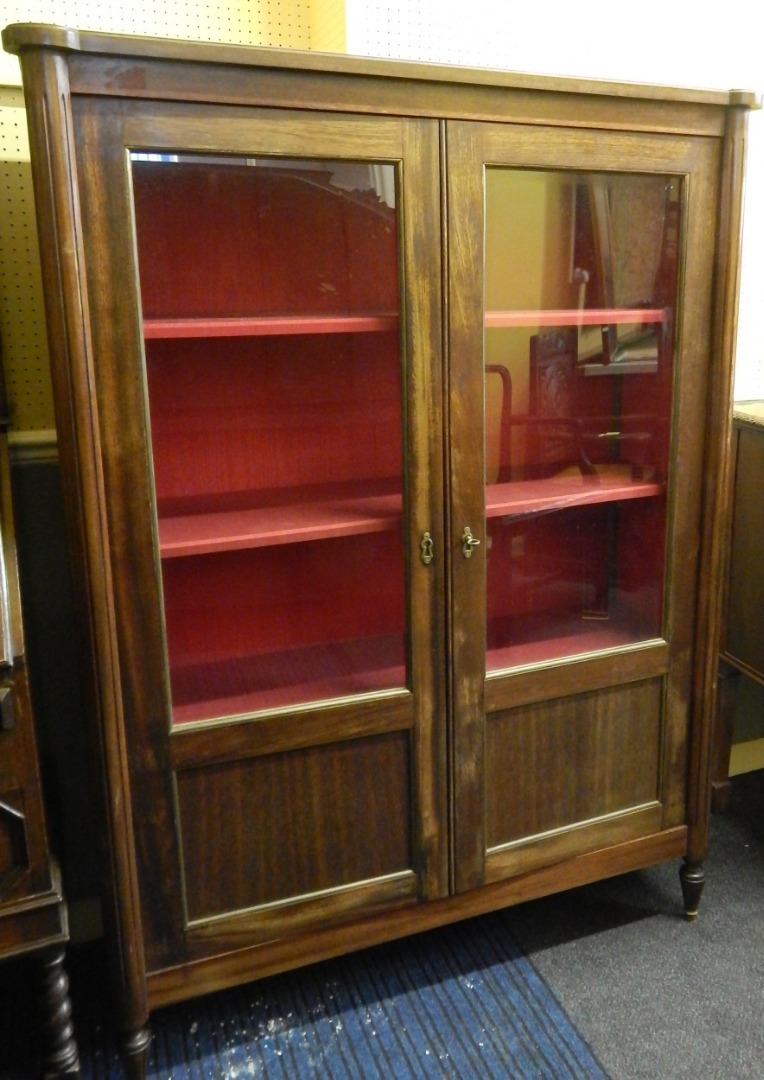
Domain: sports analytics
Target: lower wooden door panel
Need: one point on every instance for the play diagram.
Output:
(280, 828)
(572, 775)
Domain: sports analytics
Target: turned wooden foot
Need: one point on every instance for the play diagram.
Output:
(60, 1056)
(693, 878)
(134, 1047)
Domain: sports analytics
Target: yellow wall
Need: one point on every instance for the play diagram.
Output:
(528, 263)
(328, 26)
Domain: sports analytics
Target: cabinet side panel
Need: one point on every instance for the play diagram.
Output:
(565, 762)
(744, 640)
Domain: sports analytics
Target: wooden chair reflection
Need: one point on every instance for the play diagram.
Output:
(544, 442)
(550, 437)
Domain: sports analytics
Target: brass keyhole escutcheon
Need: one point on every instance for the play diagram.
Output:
(469, 542)
(427, 549)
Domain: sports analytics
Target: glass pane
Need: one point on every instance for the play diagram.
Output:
(270, 304)
(581, 274)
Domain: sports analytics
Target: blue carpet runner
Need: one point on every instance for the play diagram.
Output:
(461, 1002)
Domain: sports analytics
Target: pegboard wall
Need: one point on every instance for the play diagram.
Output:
(22, 322)
(242, 22)
(292, 23)
(419, 29)
(559, 38)
(482, 33)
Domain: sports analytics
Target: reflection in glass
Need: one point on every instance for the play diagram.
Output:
(274, 386)
(581, 273)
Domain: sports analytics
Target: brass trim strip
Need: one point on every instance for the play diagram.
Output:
(563, 830)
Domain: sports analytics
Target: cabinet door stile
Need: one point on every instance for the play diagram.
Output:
(116, 392)
(467, 505)
(423, 350)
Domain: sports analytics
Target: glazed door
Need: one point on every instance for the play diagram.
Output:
(271, 408)
(574, 530)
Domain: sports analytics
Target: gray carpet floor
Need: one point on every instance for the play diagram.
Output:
(657, 997)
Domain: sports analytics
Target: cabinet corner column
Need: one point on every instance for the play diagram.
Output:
(54, 169)
(718, 472)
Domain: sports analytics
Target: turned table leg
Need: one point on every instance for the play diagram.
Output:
(60, 1055)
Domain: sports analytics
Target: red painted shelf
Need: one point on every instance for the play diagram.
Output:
(271, 325)
(542, 638)
(264, 519)
(566, 490)
(264, 681)
(576, 317)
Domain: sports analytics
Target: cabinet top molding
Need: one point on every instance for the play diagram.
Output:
(21, 36)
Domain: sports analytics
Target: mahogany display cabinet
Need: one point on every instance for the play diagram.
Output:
(390, 401)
